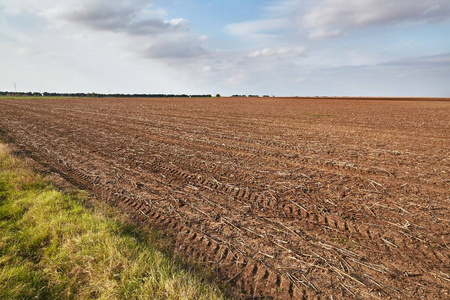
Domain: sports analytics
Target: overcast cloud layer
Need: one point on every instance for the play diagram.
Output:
(285, 47)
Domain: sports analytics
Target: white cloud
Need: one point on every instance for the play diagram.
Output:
(178, 22)
(360, 13)
(175, 45)
(134, 24)
(430, 61)
(255, 27)
(400, 75)
(237, 79)
(280, 52)
(326, 19)
(323, 35)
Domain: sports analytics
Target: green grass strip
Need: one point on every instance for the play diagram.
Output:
(53, 247)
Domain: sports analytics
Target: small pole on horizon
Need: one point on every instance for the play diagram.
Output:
(15, 88)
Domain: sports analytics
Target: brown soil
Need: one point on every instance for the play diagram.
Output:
(289, 198)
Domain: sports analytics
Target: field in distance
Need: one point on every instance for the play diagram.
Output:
(284, 197)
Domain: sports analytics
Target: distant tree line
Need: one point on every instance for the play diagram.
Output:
(95, 95)
(46, 94)
(20, 94)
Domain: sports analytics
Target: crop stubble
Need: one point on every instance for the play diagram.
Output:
(291, 198)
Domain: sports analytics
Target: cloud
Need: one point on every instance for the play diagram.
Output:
(258, 26)
(441, 60)
(95, 14)
(237, 78)
(324, 19)
(179, 45)
(361, 13)
(280, 52)
(134, 24)
(131, 17)
(323, 35)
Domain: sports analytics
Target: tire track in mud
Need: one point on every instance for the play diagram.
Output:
(325, 221)
(252, 277)
(342, 166)
(242, 194)
(331, 167)
(108, 194)
(293, 210)
(288, 209)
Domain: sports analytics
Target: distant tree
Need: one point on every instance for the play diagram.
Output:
(47, 94)
(217, 95)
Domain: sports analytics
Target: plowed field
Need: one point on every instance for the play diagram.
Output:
(289, 198)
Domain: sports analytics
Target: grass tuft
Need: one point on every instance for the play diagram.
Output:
(53, 247)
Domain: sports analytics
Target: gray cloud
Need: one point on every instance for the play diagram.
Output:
(326, 19)
(96, 15)
(258, 26)
(360, 13)
(156, 26)
(174, 46)
(143, 30)
(441, 60)
(322, 35)
(283, 52)
(131, 17)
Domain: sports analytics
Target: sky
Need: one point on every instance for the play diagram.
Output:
(264, 47)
